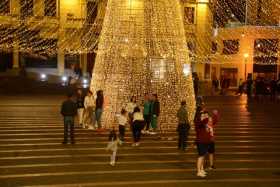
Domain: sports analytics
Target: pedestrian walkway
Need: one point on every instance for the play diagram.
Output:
(31, 153)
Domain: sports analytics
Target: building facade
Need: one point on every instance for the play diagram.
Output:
(234, 44)
(222, 40)
(49, 33)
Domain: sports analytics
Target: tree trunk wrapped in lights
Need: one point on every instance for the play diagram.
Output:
(142, 49)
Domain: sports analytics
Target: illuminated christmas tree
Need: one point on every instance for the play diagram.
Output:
(142, 49)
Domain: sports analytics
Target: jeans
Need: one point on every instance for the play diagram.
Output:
(147, 119)
(183, 132)
(137, 126)
(98, 114)
(68, 126)
(154, 122)
(122, 132)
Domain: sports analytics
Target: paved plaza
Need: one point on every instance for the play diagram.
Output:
(31, 153)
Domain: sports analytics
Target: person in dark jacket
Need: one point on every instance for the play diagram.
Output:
(183, 126)
(99, 108)
(69, 111)
(80, 105)
(155, 111)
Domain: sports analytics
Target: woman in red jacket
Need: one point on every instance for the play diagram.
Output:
(203, 139)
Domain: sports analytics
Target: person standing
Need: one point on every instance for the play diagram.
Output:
(122, 120)
(203, 139)
(147, 113)
(130, 109)
(249, 88)
(183, 126)
(80, 105)
(88, 112)
(69, 111)
(155, 111)
(99, 102)
(213, 120)
(137, 126)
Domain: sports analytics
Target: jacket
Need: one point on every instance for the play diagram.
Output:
(182, 115)
(68, 108)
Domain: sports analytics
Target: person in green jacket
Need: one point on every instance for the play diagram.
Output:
(147, 112)
(183, 126)
(155, 111)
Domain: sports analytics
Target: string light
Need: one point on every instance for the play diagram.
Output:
(142, 50)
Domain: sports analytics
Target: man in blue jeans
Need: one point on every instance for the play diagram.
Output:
(69, 111)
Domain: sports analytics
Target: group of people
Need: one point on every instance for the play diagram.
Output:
(142, 120)
(88, 110)
(260, 88)
(204, 122)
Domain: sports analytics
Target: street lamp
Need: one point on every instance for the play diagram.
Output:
(246, 55)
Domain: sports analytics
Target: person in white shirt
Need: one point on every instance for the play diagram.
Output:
(130, 108)
(122, 120)
(88, 115)
(137, 126)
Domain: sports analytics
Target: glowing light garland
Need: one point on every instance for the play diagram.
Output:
(142, 50)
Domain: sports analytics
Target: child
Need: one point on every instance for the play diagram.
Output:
(122, 120)
(211, 149)
(113, 146)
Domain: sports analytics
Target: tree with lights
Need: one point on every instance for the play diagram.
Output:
(142, 49)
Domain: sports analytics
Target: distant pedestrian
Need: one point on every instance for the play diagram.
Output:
(155, 111)
(122, 120)
(137, 126)
(88, 112)
(69, 111)
(183, 126)
(147, 113)
(80, 105)
(99, 102)
(113, 146)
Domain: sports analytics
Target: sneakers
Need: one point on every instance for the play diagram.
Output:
(211, 167)
(91, 128)
(112, 163)
(201, 174)
(135, 144)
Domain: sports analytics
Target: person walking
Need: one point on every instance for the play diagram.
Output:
(80, 105)
(155, 111)
(88, 112)
(137, 126)
(183, 126)
(147, 113)
(113, 146)
(202, 139)
(122, 120)
(69, 111)
(99, 102)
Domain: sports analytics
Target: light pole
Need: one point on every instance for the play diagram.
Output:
(246, 55)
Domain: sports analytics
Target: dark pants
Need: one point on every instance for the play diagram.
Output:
(137, 126)
(122, 132)
(183, 132)
(147, 119)
(68, 126)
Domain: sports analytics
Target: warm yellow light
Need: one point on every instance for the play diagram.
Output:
(134, 3)
(69, 3)
(202, 1)
(246, 55)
